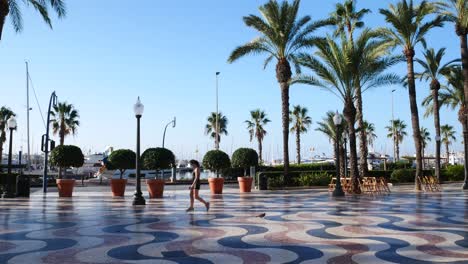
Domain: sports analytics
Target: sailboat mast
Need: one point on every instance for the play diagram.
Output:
(28, 161)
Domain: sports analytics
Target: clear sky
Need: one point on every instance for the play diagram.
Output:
(106, 53)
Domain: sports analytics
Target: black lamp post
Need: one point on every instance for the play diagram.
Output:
(9, 193)
(138, 199)
(173, 122)
(338, 192)
(45, 142)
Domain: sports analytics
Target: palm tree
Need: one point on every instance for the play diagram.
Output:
(64, 120)
(300, 123)
(457, 12)
(369, 132)
(336, 74)
(448, 135)
(282, 36)
(210, 128)
(256, 126)
(346, 19)
(409, 26)
(397, 132)
(5, 114)
(328, 128)
(433, 70)
(425, 139)
(12, 8)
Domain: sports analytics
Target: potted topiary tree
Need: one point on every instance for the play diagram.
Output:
(122, 160)
(66, 156)
(216, 160)
(244, 158)
(157, 159)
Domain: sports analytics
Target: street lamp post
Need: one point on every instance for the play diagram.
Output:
(173, 122)
(393, 131)
(45, 141)
(217, 114)
(338, 192)
(138, 199)
(345, 139)
(9, 193)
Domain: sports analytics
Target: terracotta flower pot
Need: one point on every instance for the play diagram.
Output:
(155, 188)
(118, 187)
(216, 185)
(245, 184)
(65, 187)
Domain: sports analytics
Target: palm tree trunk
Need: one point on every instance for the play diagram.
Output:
(414, 116)
(464, 57)
(283, 74)
(397, 144)
(447, 151)
(363, 170)
(435, 95)
(4, 10)
(260, 150)
(298, 146)
(285, 121)
(341, 152)
(350, 116)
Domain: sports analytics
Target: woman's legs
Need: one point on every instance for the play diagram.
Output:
(192, 201)
(196, 196)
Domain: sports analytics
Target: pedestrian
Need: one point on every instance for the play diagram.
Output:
(195, 187)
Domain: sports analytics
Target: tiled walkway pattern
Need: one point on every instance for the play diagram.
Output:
(305, 226)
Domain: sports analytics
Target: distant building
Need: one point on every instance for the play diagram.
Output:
(456, 158)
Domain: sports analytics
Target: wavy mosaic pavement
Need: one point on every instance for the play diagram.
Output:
(304, 226)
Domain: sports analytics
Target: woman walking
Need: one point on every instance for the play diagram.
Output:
(195, 187)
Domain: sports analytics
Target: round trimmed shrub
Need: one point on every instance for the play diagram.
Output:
(158, 159)
(66, 156)
(216, 160)
(122, 160)
(244, 158)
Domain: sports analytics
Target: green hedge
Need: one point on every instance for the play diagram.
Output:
(453, 173)
(314, 179)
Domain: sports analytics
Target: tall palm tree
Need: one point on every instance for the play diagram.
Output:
(457, 12)
(451, 95)
(210, 128)
(256, 126)
(64, 119)
(425, 139)
(346, 19)
(448, 135)
(335, 72)
(328, 128)
(409, 25)
(300, 123)
(5, 114)
(433, 70)
(282, 36)
(12, 8)
(397, 132)
(369, 132)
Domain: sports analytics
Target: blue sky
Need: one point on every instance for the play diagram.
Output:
(106, 53)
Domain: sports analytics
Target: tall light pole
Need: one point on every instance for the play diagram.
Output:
(138, 199)
(393, 132)
(28, 162)
(217, 113)
(9, 193)
(173, 122)
(338, 192)
(45, 141)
